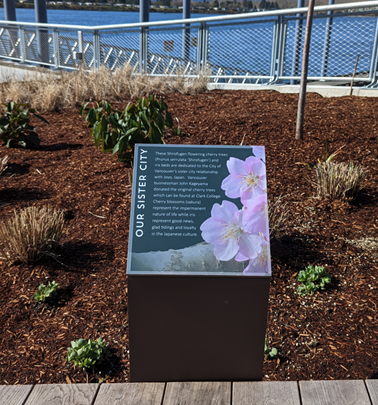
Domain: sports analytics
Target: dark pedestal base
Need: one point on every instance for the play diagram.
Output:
(197, 328)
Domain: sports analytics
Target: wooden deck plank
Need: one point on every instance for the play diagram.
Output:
(198, 393)
(372, 386)
(130, 394)
(346, 392)
(62, 394)
(14, 394)
(264, 393)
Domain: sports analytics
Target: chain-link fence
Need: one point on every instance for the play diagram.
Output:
(247, 48)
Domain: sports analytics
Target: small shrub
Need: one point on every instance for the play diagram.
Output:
(338, 180)
(3, 164)
(31, 233)
(313, 278)
(277, 214)
(118, 131)
(44, 292)
(15, 128)
(86, 354)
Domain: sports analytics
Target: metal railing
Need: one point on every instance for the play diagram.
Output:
(263, 47)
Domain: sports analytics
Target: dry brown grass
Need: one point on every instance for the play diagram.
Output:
(30, 233)
(3, 164)
(46, 90)
(338, 180)
(277, 214)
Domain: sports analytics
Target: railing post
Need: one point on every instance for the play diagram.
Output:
(96, 49)
(42, 34)
(199, 48)
(81, 56)
(143, 50)
(327, 40)
(297, 43)
(10, 15)
(278, 45)
(21, 33)
(186, 42)
(186, 31)
(374, 58)
(203, 40)
(56, 48)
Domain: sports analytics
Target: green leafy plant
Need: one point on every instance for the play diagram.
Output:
(118, 131)
(31, 233)
(327, 157)
(44, 292)
(85, 354)
(313, 278)
(269, 352)
(15, 127)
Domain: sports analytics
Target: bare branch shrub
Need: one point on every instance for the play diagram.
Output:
(277, 214)
(31, 233)
(338, 180)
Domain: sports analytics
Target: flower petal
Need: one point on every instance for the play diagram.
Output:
(250, 245)
(226, 252)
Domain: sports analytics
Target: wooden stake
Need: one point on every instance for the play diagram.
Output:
(303, 85)
(354, 74)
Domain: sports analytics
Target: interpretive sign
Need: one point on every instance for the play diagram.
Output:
(199, 210)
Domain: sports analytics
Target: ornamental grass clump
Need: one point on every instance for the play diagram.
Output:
(277, 214)
(338, 180)
(31, 233)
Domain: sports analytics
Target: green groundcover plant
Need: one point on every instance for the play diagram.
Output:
(269, 352)
(118, 131)
(313, 278)
(85, 354)
(46, 291)
(15, 127)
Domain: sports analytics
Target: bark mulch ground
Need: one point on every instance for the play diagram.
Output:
(331, 335)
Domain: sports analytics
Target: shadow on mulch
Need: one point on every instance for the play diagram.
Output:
(62, 297)
(79, 254)
(61, 146)
(15, 168)
(290, 247)
(365, 198)
(25, 194)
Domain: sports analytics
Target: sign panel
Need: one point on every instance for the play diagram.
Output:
(199, 210)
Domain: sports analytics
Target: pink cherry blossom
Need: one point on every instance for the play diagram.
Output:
(247, 179)
(226, 230)
(260, 264)
(259, 152)
(256, 214)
